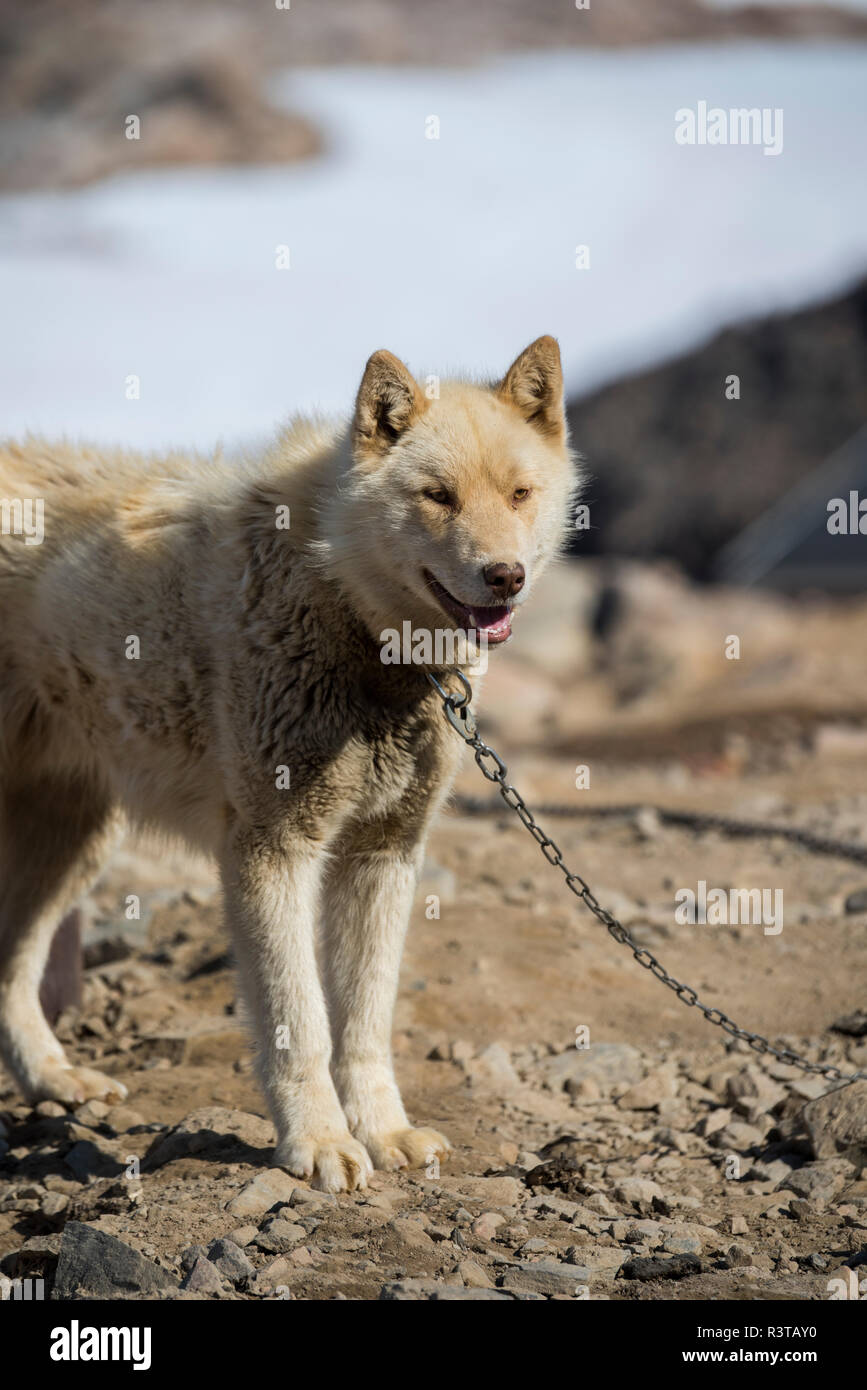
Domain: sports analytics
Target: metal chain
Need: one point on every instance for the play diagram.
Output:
(456, 708)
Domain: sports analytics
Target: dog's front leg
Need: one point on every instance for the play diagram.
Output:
(271, 886)
(369, 896)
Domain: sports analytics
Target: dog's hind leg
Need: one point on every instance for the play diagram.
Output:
(55, 836)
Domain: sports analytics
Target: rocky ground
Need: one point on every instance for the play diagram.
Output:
(660, 1161)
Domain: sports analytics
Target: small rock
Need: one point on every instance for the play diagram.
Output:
(486, 1225)
(536, 1246)
(638, 1192)
(852, 1025)
(268, 1280)
(54, 1203)
(554, 1206)
(473, 1275)
(600, 1205)
(312, 1200)
(546, 1277)
(279, 1236)
(639, 1232)
(738, 1137)
(493, 1067)
(204, 1277)
(243, 1235)
(815, 1180)
(92, 1112)
(87, 1160)
(301, 1257)
(411, 1233)
(647, 1094)
(802, 1210)
(604, 1063)
(262, 1192)
(809, 1087)
(646, 823)
(122, 1118)
(713, 1122)
(682, 1245)
(737, 1255)
(41, 1248)
(230, 1260)
(416, 1290)
(584, 1092)
(191, 1254)
(656, 1267)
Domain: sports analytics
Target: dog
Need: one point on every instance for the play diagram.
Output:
(195, 646)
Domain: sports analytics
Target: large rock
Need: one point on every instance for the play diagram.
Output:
(211, 1130)
(93, 1264)
(837, 1123)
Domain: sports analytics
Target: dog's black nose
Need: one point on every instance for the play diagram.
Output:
(505, 580)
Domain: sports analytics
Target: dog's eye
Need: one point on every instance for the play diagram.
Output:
(520, 493)
(439, 495)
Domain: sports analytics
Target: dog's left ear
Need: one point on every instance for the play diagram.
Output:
(534, 383)
(389, 400)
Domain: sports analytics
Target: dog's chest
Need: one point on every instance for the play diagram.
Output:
(402, 765)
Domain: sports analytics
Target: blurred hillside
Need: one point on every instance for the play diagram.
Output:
(677, 469)
(70, 75)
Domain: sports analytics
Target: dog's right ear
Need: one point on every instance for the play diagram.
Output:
(389, 399)
(534, 384)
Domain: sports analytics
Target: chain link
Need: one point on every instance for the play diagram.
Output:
(456, 708)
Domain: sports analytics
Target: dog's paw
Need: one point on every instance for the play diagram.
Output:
(408, 1148)
(71, 1085)
(338, 1164)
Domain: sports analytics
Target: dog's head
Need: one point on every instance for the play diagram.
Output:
(456, 496)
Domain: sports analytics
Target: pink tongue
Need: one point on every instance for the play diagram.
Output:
(495, 622)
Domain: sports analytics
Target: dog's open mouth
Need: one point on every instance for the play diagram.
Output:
(495, 622)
